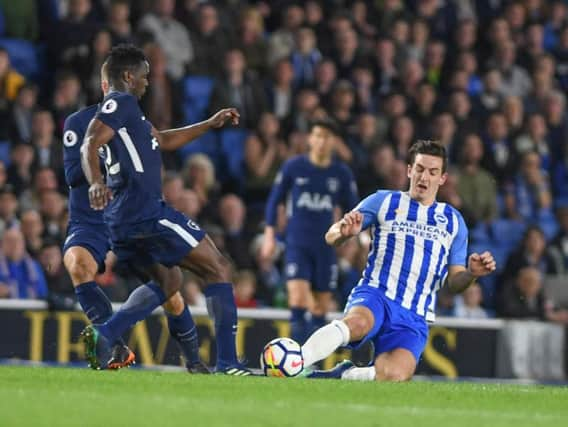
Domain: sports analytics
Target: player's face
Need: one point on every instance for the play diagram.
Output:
(322, 142)
(426, 176)
(140, 80)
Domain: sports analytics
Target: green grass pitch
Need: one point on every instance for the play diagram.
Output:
(31, 396)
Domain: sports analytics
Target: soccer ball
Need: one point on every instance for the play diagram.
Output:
(282, 357)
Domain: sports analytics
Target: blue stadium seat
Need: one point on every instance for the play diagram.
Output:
(232, 143)
(196, 94)
(207, 144)
(507, 233)
(23, 56)
(5, 147)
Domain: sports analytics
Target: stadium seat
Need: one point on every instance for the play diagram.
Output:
(5, 148)
(207, 144)
(23, 56)
(196, 94)
(507, 233)
(232, 143)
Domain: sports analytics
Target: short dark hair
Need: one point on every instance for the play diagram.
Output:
(124, 57)
(326, 123)
(432, 148)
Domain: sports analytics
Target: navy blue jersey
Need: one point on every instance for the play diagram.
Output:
(74, 130)
(133, 162)
(311, 194)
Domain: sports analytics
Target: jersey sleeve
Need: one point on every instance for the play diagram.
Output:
(370, 206)
(280, 188)
(458, 250)
(116, 111)
(350, 194)
(73, 134)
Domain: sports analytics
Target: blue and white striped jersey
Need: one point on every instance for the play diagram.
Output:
(412, 246)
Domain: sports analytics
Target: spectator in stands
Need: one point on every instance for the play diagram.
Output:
(239, 89)
(280, 90)
(20, 275)
(363, 140)
(67, 98)
(523, 297)
(305, 57)
(48, 150)
(498, 153)
(434, 61)
(172, 37)
(514, 112)
(528, 195)
(444, 130)
(20, 169)
(59, 283)
(251, 40)
(199, 175)
(118, 22)
(245, 289)
(384, 65)
(557, 249)
(475, 185)
(490, 98)
(401, 136)
(189, 204)
(101, 45)
(466, 121)
(232, 214)
(419, 35)
(44, 179)
(20, 125)
(469, 305)
(52, 207)
(8, 209)
(380, 166)
(21, 19)
(281, 42)
(535, 139)
(209, 42)
(265, 150)
(10, 80)
(3, 175)
(70, 40)
(561, 55)
(33, 229)
(515, 80)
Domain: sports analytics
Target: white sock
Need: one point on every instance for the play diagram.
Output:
(359, 374)
(325, 341)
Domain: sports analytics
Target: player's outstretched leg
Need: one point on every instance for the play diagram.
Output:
(184, 332)
(82, 268)
(206, 261)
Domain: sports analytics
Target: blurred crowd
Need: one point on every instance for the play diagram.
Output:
(487, 78)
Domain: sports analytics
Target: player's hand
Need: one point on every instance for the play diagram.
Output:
(99, 196)
(219, 119)
(351, 224)
(481, 265)
(267, 249)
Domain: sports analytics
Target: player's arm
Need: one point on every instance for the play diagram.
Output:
(278, 193)
(359, 219)
(72, 138)
(98, 134)
(460, 276)
(172, 139)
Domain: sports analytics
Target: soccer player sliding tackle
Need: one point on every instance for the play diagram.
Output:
(418, 245)
(87, 245)
(145, 232)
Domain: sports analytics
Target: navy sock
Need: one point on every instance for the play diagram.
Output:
(316, 322)
(141, 302)
(94, 302)
(221, 307)
(183, 330)
(298, 324)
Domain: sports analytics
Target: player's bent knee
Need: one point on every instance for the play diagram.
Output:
(359, 326)
(81, 267)
(396, 374)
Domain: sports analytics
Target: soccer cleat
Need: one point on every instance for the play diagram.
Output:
(235, 370)
(334, 373)
(122, 357)
(97, 349)
(198, 368)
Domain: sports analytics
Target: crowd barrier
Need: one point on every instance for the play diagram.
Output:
(491, 348)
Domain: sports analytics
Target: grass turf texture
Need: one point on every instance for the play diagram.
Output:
(82, 397)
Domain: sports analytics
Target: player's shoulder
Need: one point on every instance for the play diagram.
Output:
(80, 117)
(452, 212)
(340, 167)
(116, 101)
(294, 162)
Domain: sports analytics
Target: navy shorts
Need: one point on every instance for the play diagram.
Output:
(317, 265)
(93, 237)
(395, 326)
(165, 240)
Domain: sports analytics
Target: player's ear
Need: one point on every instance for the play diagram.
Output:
(408, 171)
(443, 178)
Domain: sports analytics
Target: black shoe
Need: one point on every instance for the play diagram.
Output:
(122, 357)
(198, 368)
